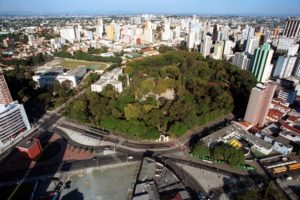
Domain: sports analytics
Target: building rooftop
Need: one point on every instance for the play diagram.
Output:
(274, 114)
(100, 82)
(277, 103)
(115, 82)
(239, 132)
(27, 143)
(283, 141)
(290, 128)
(75, 72)
(290, 134)
(271, 129)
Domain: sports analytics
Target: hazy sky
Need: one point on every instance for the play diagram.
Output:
(231, 7)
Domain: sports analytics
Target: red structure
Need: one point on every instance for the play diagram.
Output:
(138, 41)
(30, 148)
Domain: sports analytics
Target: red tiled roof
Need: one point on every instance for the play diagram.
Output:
(291, 128)
(280, 105)
(275, 114)
(243, 124)
(292, 118)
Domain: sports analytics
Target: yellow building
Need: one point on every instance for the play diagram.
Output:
(110, 32)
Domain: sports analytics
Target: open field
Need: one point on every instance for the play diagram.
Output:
(72, 63)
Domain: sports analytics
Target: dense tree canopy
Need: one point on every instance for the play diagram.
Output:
(35, 100)
(170, 93)
(222, 152)
(79, 55)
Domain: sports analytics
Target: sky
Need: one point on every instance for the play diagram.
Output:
(200, 7)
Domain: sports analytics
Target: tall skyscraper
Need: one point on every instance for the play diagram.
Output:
(296, 71)
(148, 33)
(99, 28)
(293, 50)
(68, 33)
(292, 28)
(13, 118)
(218, 50)
(206, 46)
(284, 66)
(5, 97)
(110, 32)
(228, 46)
(215, 34)
(241, 60)
(252, 44)
(261, 63)
(258, 105)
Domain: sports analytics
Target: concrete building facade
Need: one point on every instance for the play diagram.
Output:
(261, 63)
(259, 103)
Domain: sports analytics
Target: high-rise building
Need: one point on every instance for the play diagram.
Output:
(99, 28)
(228, 46)
(293, 50)
(8, 42)
(13, 118)
(252, 44)
(148, 33)
(215, 33)
(258, 105)
(110, 32)
(284, 66)
(77, 30)
(194, 35)
(276, 32)
(206, 46)
(292, 28)
(68, 33)
(296, 71)
(261, 63)
(241, 60)
(284, 44)
(218, 50)
(13, 122)
(5, 97)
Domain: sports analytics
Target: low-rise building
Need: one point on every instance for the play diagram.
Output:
(282, 146)
(234, 131)
(290, 136)
(109, 78)
(60, 74)
(30, 148)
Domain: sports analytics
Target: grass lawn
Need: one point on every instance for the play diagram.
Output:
(68, 63)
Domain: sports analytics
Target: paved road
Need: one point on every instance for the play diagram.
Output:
(63, 166)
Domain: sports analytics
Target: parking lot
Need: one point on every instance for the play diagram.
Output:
(285, 171)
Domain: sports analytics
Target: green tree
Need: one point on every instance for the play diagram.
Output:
(201, 150)
(133, 111)
(79, 111)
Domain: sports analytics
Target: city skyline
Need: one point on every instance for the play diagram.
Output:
(200, 7)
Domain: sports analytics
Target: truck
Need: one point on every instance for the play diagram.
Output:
(294, 166)
(277, 170)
